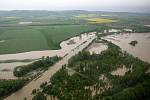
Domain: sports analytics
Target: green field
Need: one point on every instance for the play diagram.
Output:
(48, 28)
(38, 37)
(46, 32)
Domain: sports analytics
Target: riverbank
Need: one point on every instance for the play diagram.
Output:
(65, 49)
(26, 91)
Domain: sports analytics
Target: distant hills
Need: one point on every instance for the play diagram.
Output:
(40, 13)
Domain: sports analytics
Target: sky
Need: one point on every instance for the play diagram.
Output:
(91, 5)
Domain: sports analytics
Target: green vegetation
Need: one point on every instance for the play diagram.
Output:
(15, 60)
(44, 63)
(48, 28)
(10, 86)
(94, 20)
(139, 92)
(35, 38)
(88, 77)
(39, 96)
(63, 32)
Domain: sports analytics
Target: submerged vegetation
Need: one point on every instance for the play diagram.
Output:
(44, 63)
(88, 77)
(133, 43)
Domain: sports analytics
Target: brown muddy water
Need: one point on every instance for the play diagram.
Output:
(120, 71)
(96, 48)
(141, 50)
(66, 47)
(6, 69)
(45, 77)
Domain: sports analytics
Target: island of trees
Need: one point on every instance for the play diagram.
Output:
(133, 43)
(42, 64)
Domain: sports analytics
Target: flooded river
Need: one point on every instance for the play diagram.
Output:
(35, 84)
(141, 50)
(6, 69)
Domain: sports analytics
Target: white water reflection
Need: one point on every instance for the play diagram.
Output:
(147, 25)
(25, 22)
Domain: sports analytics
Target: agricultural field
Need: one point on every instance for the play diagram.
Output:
(95, 20)
(111, 74)
(100, 20)
(23, 31)
(35, 38)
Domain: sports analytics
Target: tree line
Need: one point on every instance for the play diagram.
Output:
(43, 63)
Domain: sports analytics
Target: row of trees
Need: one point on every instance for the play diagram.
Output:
(44, 63)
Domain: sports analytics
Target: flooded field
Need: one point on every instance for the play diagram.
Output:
(26, 91)
(140, 50)
(66, 47)
(96, 48)
(6, 69)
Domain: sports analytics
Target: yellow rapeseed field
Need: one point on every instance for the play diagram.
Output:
(99, 20)
(92, 19)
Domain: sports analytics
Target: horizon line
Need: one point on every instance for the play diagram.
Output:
(76, 10)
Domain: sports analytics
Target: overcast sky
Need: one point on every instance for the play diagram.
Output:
(100, 5)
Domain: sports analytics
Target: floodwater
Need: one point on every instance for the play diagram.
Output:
(141, 50)
(66, 47)
(120, 71)
(45, 77)
(96, 48)
(117, 30)
(6, 69)
(114, 30)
